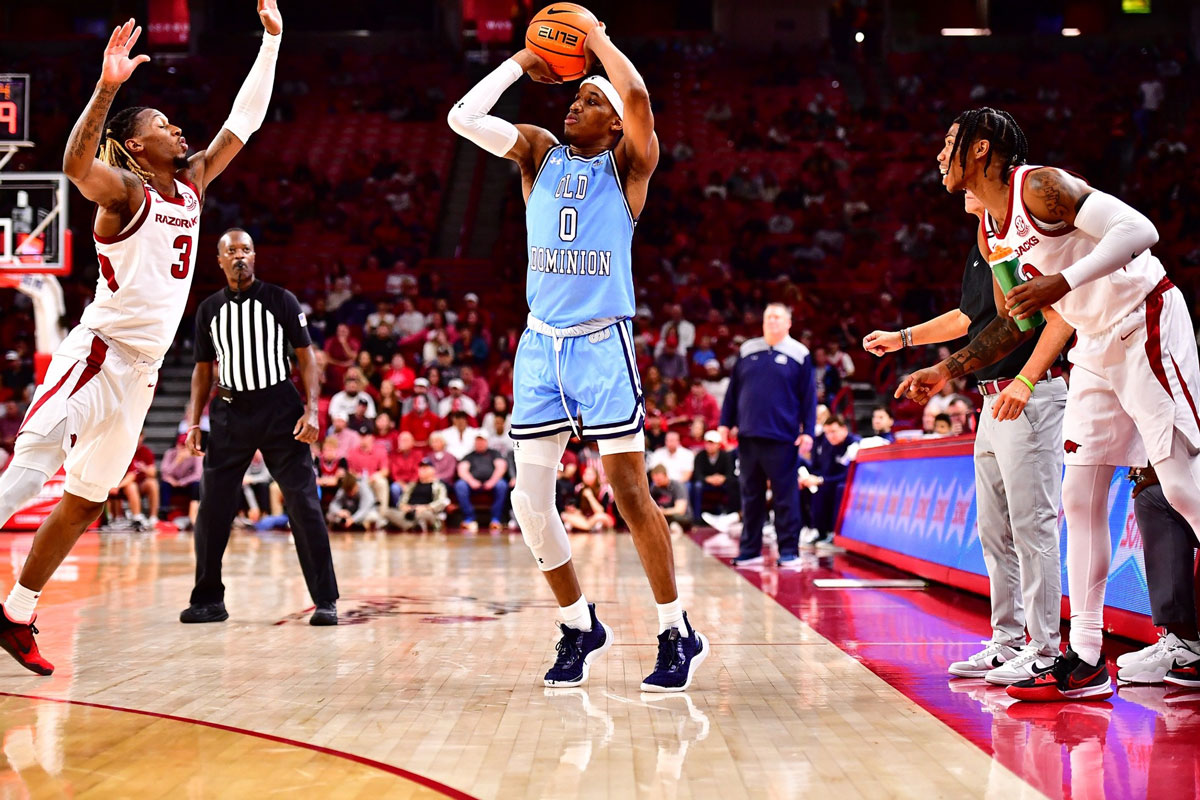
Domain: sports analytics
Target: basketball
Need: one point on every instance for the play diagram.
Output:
(557, 34)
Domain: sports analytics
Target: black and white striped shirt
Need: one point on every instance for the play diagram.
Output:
(247, 335)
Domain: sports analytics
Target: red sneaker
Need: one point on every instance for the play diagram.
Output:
(1071, 678)
(17, 639)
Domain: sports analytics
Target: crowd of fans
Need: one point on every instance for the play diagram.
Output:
(784, 176)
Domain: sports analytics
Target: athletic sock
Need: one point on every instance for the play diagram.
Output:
(577, 615)
(21, 604)
(670, 615)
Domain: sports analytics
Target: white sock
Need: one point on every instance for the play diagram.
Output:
(577, 615)
(21, 603)
(670, 615)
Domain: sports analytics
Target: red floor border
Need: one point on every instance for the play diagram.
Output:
(428, 783)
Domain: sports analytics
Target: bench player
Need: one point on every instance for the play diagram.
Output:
(575, 367)
(90, 408)
(1136, 375)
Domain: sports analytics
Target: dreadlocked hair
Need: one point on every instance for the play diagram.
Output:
(1000, 129)
(122, 126)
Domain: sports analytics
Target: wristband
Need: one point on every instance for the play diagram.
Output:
(904, 339)
(1026, 381)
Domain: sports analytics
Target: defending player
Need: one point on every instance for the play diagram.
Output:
(90, 408)
(1136, 374)
(575, 367)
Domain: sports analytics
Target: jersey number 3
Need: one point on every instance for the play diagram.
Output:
(181, 269)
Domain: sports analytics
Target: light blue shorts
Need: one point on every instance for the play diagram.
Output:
(600, 385)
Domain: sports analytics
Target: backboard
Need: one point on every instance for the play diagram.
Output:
(34, 232)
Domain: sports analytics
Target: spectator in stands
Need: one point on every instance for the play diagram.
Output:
(399, 375)
(445, 365)
(703, 352)
(146, 481)
(361, 421)
(693, 437)
(369, 463)
(402, 465)
(386, 432)
(475, 386)
(365, 365)
(420, 422)
(470, 348)
(832, 453)
(421, 502)
(410, 322)
(317, 318)
(382, 315)
(942, 425)
(444, 462)
(840, 359)
(389, 403)
(671, 497)
(671, 363)
(676, 459)
(342, 350)
(714, 382)
(10, 423)
(256, 492)
(589, 509)
(181, 472)
(459, 436)
(881, 423)
(420, 389)
(714, 470)
(456, 400)
(498, 434)
(381, 345)
(353, 507)
(656, 428)
(501, 406)
(345, 402)
(331, 468)
(481, 469)
(962, 415)
(346, 437)
(828, 380)
(435, 388)
(699, 403)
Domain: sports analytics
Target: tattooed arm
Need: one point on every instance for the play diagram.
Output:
(993, 343)
(1052, 195)
(249, 107)
(113, 189)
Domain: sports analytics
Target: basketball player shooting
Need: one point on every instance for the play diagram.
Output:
(1136, 374)
(90, 408)
(575, 368)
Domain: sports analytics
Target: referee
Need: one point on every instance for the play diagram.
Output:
(772, 401)
(246, 328)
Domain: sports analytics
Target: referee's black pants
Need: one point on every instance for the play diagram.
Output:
(259, 420)
(762, 460)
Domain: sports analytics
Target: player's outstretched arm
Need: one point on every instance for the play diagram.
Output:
(993, 343)
(640, 144)
(107, 186)
(249, 107)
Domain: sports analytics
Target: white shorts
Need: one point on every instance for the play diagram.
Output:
(1134, 385)
(88, 412)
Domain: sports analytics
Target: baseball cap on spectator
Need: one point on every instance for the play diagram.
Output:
(644, 311)
(425, 462)
(342, 416)
(421, 382)
(471, 297)
(712, 436)
(480, 435)
(712, 363)
(456, 383)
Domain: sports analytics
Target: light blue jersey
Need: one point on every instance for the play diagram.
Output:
(580, 235)
(576, 367)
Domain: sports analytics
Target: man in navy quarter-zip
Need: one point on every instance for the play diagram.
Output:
(772, 402)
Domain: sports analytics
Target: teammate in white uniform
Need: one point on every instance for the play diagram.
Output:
(1136, 375)
(90, 408)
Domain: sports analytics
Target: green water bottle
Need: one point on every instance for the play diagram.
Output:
(1005, 267)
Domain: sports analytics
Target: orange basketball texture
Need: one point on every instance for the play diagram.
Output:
(557, 33)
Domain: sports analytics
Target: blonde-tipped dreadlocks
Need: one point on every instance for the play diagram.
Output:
(122, 126)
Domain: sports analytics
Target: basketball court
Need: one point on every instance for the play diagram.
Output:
(431, 686)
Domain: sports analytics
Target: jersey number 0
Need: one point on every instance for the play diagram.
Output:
(568, 224)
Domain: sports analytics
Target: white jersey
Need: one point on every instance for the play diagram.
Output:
(146, 273)
(1046, 249)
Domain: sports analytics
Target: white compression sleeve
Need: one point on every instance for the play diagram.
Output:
(250, 105)
(1124, 234)
(469, 118)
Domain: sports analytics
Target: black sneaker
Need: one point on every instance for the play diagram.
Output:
(678, 658)
(326, 614)
(204, 612)
(1070, 678)
(577, 650)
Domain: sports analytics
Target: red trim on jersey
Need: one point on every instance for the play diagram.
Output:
(1154, 306)
(106, 270)
(95, 360)
(132, 229)
(1012, 190)
(1186, 392)
(175, 201)
(44, 398)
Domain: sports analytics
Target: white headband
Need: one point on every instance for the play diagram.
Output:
(609, 91)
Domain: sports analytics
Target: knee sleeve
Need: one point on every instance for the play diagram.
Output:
(18, 485)
(541, 526)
